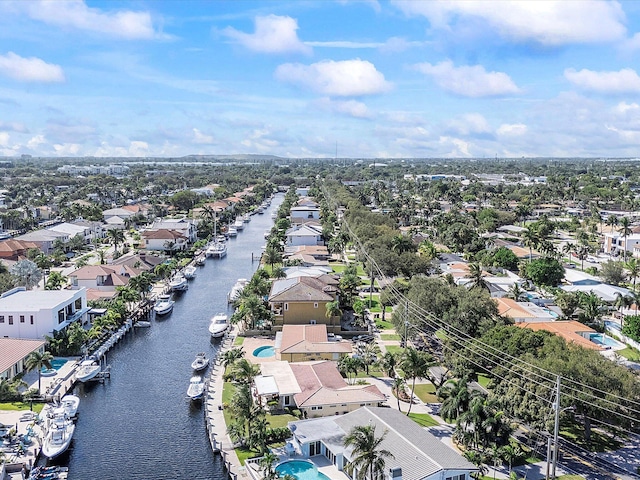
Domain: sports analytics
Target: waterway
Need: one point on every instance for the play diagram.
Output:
(140, 424)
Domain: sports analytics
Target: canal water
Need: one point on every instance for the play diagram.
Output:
(140, 424)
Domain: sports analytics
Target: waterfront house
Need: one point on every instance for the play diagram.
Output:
(186, 227)
(14, 355)
(303, 300)
(99, 277)
(164, 240)
(304, 235)
(32, 314)
(298, 343)
(417, 454)
(302, 213)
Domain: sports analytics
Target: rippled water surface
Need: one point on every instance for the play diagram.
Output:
(140, 423)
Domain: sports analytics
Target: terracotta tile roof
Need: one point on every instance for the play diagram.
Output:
(301, 289)
(162, 234)
(95, 294)
(16, 245)
(310, 339)
(569, 330)
(507, 307)
(12, 350)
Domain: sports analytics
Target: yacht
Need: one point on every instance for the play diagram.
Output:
(237, 289)
(178, 283)
(201, 362)
(70, 404)
(190, 272)
(58, 437)
(219, 325)
(164, 305)
(87, 370)
(196, 388)
(232, 231)
(219, 250)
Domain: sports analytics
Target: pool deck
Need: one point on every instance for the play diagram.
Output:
(251, 343)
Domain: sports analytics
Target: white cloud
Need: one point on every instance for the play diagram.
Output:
(13, 127)
(350, 108)
(76, 14)
(624, 108)
(273, 34)
(30, 69)
(4, 139)
(138, 148)
(202, 139)
(550, 23)
(622, 81)
(469, 81)
(36, 141)
(348, 78)
(66, 148)
(469, 124)
(512, 129)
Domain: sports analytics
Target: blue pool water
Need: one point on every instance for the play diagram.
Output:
(56, 364)
(601, 339)
(301, 470)
(264, 352)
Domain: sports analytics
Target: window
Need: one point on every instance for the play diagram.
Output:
(312, 322)
(10, 319)
(1, 318)
(315, 305)
(31, 319)
(319, 407)
(286, 307)
(21, 318)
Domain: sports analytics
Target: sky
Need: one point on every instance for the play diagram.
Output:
(324, 78)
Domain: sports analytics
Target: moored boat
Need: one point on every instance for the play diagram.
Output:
(190, 272)
(87, 370)
(239, 224)
(164, 304)
(200, 260)
(70, 404)
(236, 290)
(232, 232)
(196, 388)
(178, 283)
(58, 438)
(219, 325)
(201, 362)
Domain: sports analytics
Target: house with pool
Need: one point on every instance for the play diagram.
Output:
(417, 454)
(299, 343)
(14, 355)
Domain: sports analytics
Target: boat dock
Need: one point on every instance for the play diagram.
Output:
(214, 414)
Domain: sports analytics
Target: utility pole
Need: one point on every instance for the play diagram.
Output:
(556, 428)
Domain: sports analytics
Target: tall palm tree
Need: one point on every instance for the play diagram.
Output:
(633, 267)
(230, 356)
(332, 310)
(475, 274)
(415, 364)
(398, 386)
(244, 371)
(116, 236)
(625, 231)
(531, 239)
(37, 360)
(368, 458)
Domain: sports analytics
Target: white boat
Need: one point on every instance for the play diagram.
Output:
(267, 233)
(58, 438)
(196, 388)
(70, 404)
(178, 283)
(200, 363)
(239, 224)
(219, 250)
(190, 272)
(87, 370)
(200, 260)
(237, 289)
(142, 324)
(219, 325)
(164, 305)
(260, 210)
(220, 238)
(246, 218)
(232, 232)
(274, 215)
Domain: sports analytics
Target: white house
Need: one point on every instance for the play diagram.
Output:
(615, 243)
(303, 213)
(32, 314)
(188, 228)
(417, 454)
(164, 240)
(304, 235)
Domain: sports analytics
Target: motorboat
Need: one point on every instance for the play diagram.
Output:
(260, 210)
(164, 304)
(239, 224)
(196, 388)
(220, 238)
(142, 324)
(267, 234)
(178, 283)
(218, 250)
(87, 370)
(232, 231)
(219, 324)
(246, 218)
(52, 472)
(237, 289)
(58, 437)
(274, 215)
(70, 404)
(200, 260)
(190, 272)
(200, 363)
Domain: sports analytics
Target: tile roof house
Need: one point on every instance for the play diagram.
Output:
(99, 277)
(297, 343)
(572, 331)
(164, 240)
(303, 300)
(523, 311)
(14, 355)
(15, 249)
(417, 454)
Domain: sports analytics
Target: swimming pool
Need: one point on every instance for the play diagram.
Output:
(56, 364)
(602, 339)
(264, 352)
(300, 469)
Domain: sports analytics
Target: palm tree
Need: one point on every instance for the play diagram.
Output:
(37, 360)
(456, 396)
(516, 292)
(475, 274)
(398, 386)
(531, 239)
(266, 462)
(230, 356)
(368, 458)
(415, 365)
(244, 372)
(633, 267)
(388, 363)
(116, 236)
(332, 309)
(55, 281)
(625, 231)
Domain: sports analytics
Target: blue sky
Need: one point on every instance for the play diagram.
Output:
(296, 78)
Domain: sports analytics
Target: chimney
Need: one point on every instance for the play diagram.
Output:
(395, 473)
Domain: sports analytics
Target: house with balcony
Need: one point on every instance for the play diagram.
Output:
(14, 355)
(99, 277)
(164, 240)
(32, 314)
(303, 300)
(299, 343)
(304, 235)
(186, 227)
(416, 453)
(303, 213)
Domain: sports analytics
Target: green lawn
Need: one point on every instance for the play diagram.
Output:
(386, 325)
(441, 334)
(394, 348)
(390, 336)
(238, 341)
(426, 392)
(373, 372)
(423, 419)
(630, 353)
(600, 441)
(338, 267)
(16, 406)
(282, 420)
(483, 380)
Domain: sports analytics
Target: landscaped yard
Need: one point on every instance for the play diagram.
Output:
(238, 341)
(16, 406)
(426, 392)
(373, 372)
(390, 336)
(630, 353)
(483, 380)
(386, 325)
(423, 419)
(394, 348)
